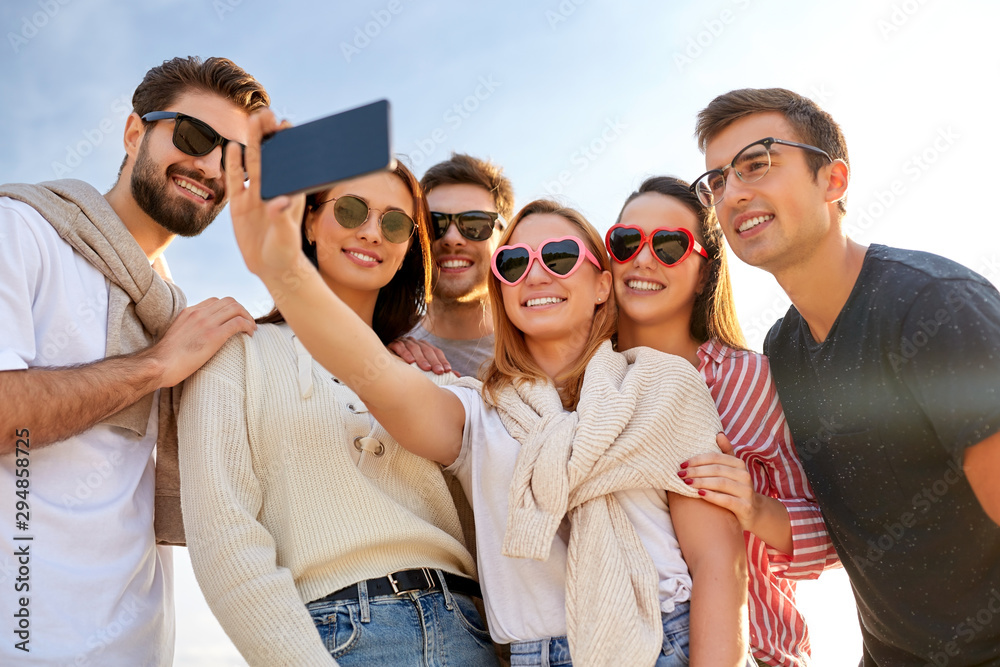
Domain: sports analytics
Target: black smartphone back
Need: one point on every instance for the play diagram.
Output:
(312, 156)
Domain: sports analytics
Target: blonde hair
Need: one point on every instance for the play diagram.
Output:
(512, 362)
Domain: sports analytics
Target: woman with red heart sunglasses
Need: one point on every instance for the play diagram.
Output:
(671, 280)
(562, 451)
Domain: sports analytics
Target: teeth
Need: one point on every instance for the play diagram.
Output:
(192, 188)
(644, 285)
(362, 257)
(455, 264)
(753, 222)
(541, 301)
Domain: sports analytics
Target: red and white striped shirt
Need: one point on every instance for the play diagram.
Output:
(752, 419)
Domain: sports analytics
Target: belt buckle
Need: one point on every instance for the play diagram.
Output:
(395, 584)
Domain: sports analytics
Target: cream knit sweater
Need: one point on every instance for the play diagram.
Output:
(641, 413)
(281, 508)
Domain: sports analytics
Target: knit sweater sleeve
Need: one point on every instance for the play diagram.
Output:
(233, 555)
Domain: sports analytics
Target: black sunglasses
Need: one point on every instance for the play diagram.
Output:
(195, 137)
(473, 225)
(352, 211)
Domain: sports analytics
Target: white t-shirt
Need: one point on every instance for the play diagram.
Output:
(100, 590)
(526, 599)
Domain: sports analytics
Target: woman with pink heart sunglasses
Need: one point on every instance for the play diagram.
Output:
(672, 284)
(565, 457)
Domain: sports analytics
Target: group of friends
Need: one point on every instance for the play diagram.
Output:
(466, 435)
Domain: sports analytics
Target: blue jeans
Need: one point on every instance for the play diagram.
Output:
(420, 628)
(554, 652)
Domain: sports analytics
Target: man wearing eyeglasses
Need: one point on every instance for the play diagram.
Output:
(92, 335)
(469, 200)
(889, 373)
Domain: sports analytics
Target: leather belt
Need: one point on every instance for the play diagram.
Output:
(407, 581)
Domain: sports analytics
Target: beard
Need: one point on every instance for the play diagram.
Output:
(172, 212)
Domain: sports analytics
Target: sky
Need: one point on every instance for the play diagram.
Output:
(577, 99)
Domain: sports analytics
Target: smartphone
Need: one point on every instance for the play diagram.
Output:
(310, 157)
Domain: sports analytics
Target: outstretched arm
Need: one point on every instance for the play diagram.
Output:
(422, 417)
(712, 543)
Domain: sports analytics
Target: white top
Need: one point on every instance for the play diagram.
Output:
(526, 599)
(100, 591)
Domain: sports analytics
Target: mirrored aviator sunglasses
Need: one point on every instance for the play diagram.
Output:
(352, 211)
(473, 225)
(561, 257)
(670, 246)
(196, 137)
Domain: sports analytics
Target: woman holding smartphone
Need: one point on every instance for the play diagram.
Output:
(570, 506)
(674, 294)
(315, 538)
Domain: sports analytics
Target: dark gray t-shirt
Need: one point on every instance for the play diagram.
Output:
(465, 356)
(881, 413)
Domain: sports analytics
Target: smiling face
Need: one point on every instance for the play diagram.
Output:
(360, 259)
(461, 266)
(649, 293)
(780, 220)
(545, 307)
(183, 193)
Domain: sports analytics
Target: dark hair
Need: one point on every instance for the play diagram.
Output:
(461, 168)
(812, 125)
(164, 83)
(401, 301)
(713, 315)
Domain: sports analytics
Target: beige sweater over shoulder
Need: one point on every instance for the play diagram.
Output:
(292, 491)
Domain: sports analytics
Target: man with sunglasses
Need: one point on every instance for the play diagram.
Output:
(469, 199)
(889, 375)
(93, 336)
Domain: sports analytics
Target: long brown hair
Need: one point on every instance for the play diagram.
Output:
(511, 360)
(401, 301)
(713, 315)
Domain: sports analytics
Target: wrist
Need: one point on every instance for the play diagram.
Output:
(151, 373)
